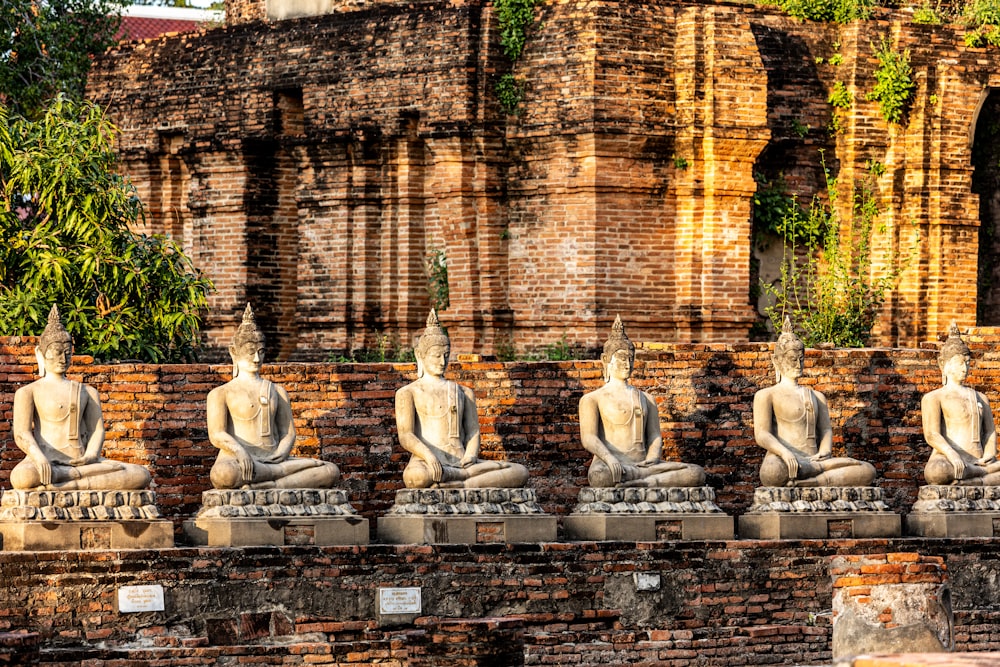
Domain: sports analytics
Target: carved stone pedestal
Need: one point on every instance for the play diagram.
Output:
(955, 511)
(82, 520)
(644, 515)
(825, 512)
(466, 516)
(276, 517)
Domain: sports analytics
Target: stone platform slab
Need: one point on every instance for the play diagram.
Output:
(466, 529)
(86, 535)
(649, 527)
(276, 517)
(277, 531)
(954, 524)
(818, 525)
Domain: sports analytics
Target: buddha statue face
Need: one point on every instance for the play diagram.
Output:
(618, 364)
(789, 360)
(248, 355)
(56, 356)
(956, 369)
(433, 359)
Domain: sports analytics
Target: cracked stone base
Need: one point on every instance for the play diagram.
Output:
(277, 531)
(649, 527)
(86, 535)
(819, 525)
(466, 529)
(953, 524)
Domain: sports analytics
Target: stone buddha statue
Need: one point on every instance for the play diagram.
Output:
(438, 425)
(620, 426)
(250, 421)
(792, 422)
(59, 426)
(958, 424)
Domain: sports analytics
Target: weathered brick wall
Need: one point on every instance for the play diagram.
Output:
(737, 603)
(154, 415)
(622, 186)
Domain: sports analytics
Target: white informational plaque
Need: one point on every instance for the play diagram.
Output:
(399, 600)
(140, 598)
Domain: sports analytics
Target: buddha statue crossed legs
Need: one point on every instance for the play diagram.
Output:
(438, 425)
(59, 426)
(620, 426)
(792, 422)
(250, 422)
(958, 424)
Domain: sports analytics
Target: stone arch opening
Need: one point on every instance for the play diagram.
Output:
(986, 183)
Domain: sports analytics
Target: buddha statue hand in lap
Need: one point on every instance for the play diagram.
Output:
(958, 424)
(792, 422)
(250, 422)
(59, 426)
(620, 426)
(438, 425)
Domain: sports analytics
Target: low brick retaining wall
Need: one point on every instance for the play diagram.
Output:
(733, 603)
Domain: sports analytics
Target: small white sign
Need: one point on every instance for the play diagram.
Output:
(140, 598)
(399, 600)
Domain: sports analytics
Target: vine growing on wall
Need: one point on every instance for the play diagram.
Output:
(514, 18)
(982, 18)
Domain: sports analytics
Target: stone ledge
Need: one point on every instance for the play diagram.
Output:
(768, 499)
(953, 524)
(86, 535)
(956, 498)
(633, 500)
(819, 525)
(417, 502)
(263, 503)
(649, 527)
(99, 505)
(277, 531)
(470, 529)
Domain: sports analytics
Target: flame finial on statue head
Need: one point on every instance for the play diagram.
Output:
(953, 346)
(248, 329)
(788, 342)
(434, 334)
(617, 340)
(54, 330)
(247, 332)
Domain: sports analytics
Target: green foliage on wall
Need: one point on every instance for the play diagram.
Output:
(827, 284)
(982, 18)
(514, 18)
(65, 239)
(894, 84)
(830, 11)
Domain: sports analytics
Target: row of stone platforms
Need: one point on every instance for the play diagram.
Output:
(57, 520)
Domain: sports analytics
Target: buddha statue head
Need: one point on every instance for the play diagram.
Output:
(789, 352)
(618, 341)
(55, 343)
(248, 343)
(434, 336)
(953, 347)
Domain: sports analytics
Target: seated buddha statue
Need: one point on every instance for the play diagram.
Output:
(958, 424)
(438, 425)
(792, 422)
(250, 422)
(59, 426)
(620, 426)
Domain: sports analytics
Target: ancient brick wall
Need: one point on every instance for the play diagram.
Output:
(737, 603)
(622, 185)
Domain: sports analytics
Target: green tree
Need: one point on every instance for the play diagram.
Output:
(65, 238)
(46, 48)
